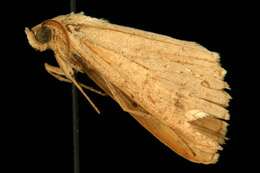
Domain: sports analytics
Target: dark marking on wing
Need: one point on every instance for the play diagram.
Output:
(78, 61)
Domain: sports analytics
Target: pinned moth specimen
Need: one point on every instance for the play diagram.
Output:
(173, 88)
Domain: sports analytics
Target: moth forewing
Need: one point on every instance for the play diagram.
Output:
(174, 88)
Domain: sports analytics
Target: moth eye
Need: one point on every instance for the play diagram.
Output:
(43, 35)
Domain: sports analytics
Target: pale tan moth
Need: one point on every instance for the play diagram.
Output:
(173, 88)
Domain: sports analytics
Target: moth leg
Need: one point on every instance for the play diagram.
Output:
(59, 74)
(69, 73)
(56, 72)
(125, 102)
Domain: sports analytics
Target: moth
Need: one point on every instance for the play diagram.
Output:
(173, 88)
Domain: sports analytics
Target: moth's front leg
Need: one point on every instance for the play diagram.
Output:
(56, 72)
(70, 74)
(59, 74)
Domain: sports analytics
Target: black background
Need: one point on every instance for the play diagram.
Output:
(36, 113)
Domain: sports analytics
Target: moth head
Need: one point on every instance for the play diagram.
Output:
(50, 34)
(39, 37)
(43, 34)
